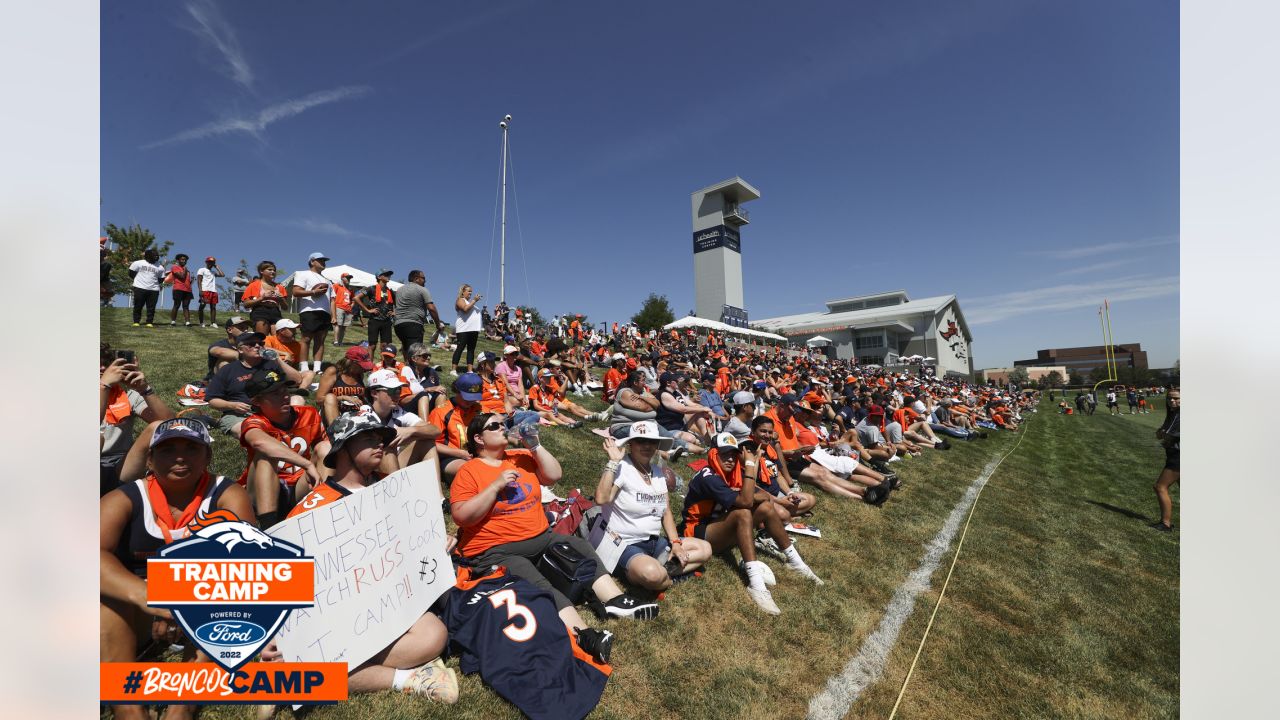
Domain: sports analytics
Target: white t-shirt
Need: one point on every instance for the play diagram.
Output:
(208, 281)
(306, 279)
(470, 321)
(636, 511)
(149, 277)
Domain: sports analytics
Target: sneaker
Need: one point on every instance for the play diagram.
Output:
(174, 323)
(764, 600)
(893, 480)
(769, 546)
(1159, 525)
(766, 572)
(574, 425)
(678, 453)
(625, 606)
(942, 445)
(895, 458)
(188, 325)
(435, 681)
(597, 643)
(137, 324)
(805, 571)
(150, 325)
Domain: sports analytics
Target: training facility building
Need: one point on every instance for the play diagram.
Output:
(878, 329)
(1084, 359)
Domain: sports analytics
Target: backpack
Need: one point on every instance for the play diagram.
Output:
(565, 516)
(568, 570)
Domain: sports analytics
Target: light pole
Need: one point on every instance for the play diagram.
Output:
(502, 273)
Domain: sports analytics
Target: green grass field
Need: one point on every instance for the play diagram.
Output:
(1063, 603)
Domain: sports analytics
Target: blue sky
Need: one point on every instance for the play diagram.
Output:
(1022, 155)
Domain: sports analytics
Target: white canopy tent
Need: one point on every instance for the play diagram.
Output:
(817, 340)
(359, 278)
(697, 322)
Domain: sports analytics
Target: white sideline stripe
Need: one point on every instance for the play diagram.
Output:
(864, 669)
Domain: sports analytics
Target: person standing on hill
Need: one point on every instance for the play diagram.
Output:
(413, 305)
(147, 275)
(314, 302)
(1171, 473)
(240, 282)
(180, 276)
(341, 310)
(266, 299)
(379, 303)
(467, 327)
(207, 279)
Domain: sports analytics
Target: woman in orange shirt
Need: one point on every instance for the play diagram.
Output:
(265, 299)
(496, 500)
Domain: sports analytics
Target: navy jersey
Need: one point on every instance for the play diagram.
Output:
(142, 537)
(709, 499)
(508, 629)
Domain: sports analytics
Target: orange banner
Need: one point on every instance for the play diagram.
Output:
(179, 582)
(206, 683)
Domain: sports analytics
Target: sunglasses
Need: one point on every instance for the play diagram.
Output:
(252, 344)
(493, 426)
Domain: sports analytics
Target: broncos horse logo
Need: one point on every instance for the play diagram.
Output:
(951, 330)
(225, 527)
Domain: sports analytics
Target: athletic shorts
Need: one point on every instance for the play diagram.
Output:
(795, 467)
(699, 530)
(344, 317)
(1112, 403)
(208, 298)
(314, 321)
(182, 296)
(265, 313)
(654, 547)
(1171, 461)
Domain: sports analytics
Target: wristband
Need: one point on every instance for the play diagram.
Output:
(611, 465)
(148, 390)
(677, 542)
(749, 463)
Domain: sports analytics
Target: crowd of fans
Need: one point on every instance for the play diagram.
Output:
(770, 434)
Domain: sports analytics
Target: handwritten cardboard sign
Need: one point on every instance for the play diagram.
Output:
(379, 564)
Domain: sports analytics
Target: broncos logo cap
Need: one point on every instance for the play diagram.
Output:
(468, 387)
(185, 428)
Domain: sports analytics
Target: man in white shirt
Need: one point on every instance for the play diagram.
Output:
(314, 294)
(148, 275)
(207, 281)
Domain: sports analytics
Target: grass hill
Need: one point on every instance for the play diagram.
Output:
(1063, 603)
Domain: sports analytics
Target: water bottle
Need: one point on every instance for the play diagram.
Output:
(528, 433)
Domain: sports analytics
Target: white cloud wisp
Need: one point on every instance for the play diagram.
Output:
(256, 124)
(994, 308)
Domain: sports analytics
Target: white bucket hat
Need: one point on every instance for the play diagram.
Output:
(646, 430)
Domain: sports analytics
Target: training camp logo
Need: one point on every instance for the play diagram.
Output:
(230, 586)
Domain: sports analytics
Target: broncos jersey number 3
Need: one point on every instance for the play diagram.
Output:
(528, 624)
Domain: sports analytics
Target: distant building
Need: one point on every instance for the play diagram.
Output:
(877, 329)
(1000, 376)
(1084, 359)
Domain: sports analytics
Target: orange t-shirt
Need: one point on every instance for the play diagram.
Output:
(253, 290)
(494, 394)
(786, 431)
(454, 432)
(301, 437)
(516, 515)
(612, 381)
(290, 352)
(543, 399)
(342, 297)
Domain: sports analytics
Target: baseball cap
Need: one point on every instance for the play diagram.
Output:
(742, 397)
(668, 377)
(264, 381)
(285, 323)
(185, 428)
(384, 378)
(875, 410)
(616, 357)
(468, 386)
(386, 271)
(645, 430)
(788, 399)
(760, 384)
(361, 357)
(486, 357)
(390, 350)
(246, 338)
(347, 275)
(349, 425)
(726, 441)
(317, 256)
(236, 320)
(211, 259)
(508, 349)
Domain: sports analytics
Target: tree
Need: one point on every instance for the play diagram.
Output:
(1052, 380)
(1098, 374)
(532, 316)
(654, 313)
(227, 289)
(1074, 378)
(1018, 376)
(130, 243)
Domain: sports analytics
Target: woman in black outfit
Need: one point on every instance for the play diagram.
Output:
(1168, 435)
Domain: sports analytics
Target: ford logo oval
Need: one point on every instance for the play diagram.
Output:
(231, 633)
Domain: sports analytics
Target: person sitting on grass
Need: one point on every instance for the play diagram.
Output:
(425, 388)
(628, 536)
(724, 505)
(453, 417)
(892, 430)
(634, 402)
(226, 391)
(284, 444)
(414, 436)
(124, 395)
(544, 399)
(224, 351)
(341, 388)
(744, 411)
(410, 664)
(867, 484)
(773, 476)
(677, 413)
(496, 501)
(137, 520)
(283, 339)
(914, 427)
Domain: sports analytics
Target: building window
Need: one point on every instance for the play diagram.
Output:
(870, 341)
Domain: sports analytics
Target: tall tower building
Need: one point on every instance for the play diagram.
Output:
(718, 217)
